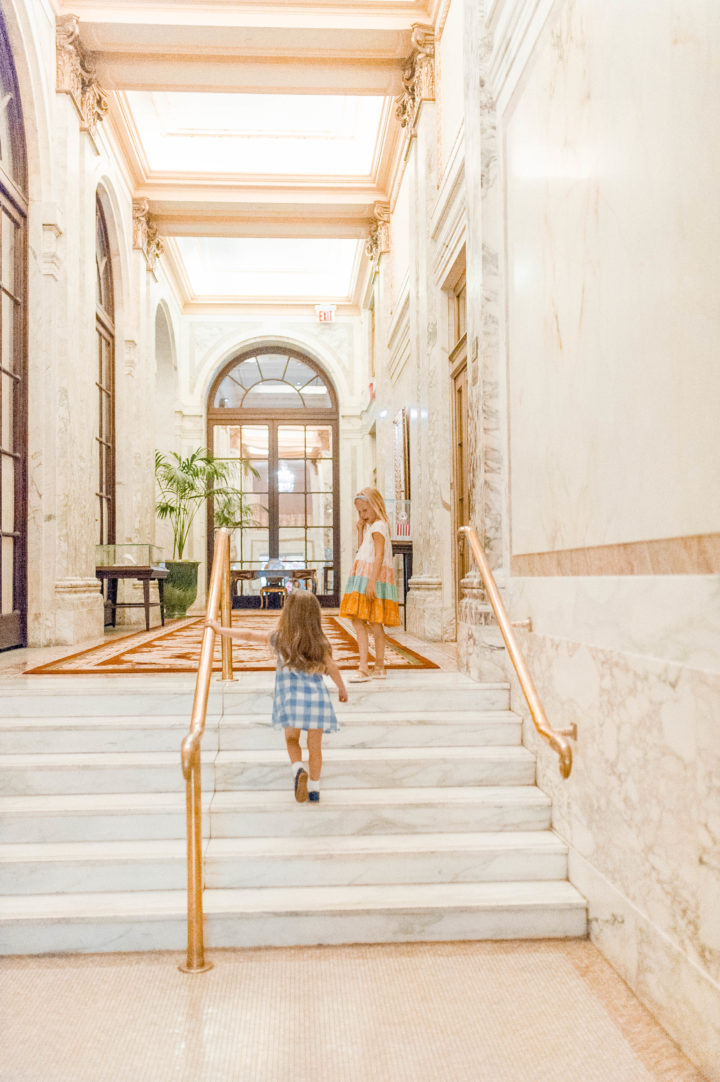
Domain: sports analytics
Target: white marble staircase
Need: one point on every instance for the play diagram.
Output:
(430, 825)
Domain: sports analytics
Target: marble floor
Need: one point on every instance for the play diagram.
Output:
(435, 1012)
(17, 662)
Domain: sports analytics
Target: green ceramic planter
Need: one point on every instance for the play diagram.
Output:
(180, 586)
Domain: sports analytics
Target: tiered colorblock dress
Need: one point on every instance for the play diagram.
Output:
(384, 609)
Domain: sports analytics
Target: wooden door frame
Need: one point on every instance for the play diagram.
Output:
(457, 365)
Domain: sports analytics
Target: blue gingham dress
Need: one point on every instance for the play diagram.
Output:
(302, 701)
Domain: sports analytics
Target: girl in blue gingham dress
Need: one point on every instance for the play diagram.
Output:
(301, 700)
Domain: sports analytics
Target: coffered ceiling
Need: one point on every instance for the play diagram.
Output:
(247, 124)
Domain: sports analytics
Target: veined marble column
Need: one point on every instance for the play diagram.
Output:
(65, 605)
(430, 604)
(487, 437)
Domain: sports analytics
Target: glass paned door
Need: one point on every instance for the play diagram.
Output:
(13, 362)
(288, 487)
(12, 429)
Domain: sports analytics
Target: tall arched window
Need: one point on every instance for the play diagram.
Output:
(275, 409)
(13, 362)
(105, 426)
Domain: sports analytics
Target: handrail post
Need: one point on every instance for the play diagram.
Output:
(226, 618)
(190, 756)
(195, 962)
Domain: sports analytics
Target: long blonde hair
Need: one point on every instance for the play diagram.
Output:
(374, 498)
(299, 639)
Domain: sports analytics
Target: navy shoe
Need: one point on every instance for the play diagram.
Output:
(314, 796)
(301, 780)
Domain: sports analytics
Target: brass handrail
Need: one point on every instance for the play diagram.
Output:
(218, 604)
(556, 738)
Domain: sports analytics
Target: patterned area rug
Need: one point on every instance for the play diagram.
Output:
(176, 648)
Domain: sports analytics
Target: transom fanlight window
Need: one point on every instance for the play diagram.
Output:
(272, 381)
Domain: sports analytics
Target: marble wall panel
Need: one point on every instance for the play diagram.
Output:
(449, 77)
(641, 812)
(400, 238)
(670, 618)
(612, 261)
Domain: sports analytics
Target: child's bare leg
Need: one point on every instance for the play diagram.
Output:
(361, 632)
(379, 636)
(300, 783)
(314, 741)
(292, 742)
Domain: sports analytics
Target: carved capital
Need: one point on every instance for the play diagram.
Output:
(67, 57)
(140, 209)
(146, 237)
(75, 73)
(378, 240)
(418, 76)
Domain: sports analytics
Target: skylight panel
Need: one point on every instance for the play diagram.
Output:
(260, 134)
(270, 267)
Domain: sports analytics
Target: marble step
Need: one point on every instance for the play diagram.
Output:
(412, 693)
(154, 816)
(96, 817)
(381, 811)
(32, 735)
(114, 772)
(385, 858)
(89, 867)
(156, 920)
(251, 693)
(381, 768)
(396, 729)
(99, 699)
(117, 772)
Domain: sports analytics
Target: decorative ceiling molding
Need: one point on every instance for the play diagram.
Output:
(378, 242)
(250, 13)
(75, 74)
(145, 233)
(418, 77)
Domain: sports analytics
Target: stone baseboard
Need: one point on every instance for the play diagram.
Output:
(425, 608)
(79, 611)
(683, 999)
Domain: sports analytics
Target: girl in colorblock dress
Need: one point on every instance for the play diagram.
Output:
(301, 700)
(370, 597)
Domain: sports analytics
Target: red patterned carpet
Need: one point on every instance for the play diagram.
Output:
(176, 648)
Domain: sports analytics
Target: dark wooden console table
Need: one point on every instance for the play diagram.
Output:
(141, 573)
(404, 549)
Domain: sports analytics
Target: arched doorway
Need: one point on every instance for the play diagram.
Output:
(13, 358)
(275, 408)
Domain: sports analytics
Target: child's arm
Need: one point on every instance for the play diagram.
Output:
(379, 543)
(335, 675)
(240, 633)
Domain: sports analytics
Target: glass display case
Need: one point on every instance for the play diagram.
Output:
(400, 520)
(128, 555)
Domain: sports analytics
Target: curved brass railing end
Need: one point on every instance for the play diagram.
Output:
(188, 751)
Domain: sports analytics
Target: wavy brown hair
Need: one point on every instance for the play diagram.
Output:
(299, 639)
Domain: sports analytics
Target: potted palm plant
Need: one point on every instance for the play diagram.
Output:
(184, 485)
